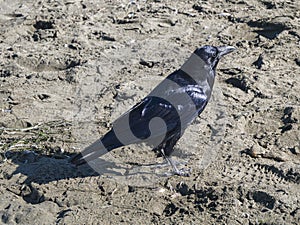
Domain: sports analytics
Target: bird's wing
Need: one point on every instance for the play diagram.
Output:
(163, 116)
(135, 125)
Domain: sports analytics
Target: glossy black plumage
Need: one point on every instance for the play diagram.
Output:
(174, 103)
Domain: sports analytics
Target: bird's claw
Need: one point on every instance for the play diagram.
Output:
(182, 172)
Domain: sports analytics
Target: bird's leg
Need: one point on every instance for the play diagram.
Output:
(175, 169)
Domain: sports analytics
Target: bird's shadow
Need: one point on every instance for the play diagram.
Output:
(43, 169)
(24, 169)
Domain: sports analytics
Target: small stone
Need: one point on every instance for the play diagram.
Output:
(256, 151)
(296, 150)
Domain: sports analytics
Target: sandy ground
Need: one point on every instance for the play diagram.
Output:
(69, 68)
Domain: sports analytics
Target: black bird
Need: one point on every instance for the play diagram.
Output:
(161, 117)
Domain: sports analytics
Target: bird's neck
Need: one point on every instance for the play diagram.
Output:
(196, 68)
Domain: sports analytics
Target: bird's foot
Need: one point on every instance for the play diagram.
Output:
(182, 172)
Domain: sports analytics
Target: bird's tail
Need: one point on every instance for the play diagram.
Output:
(97, 149)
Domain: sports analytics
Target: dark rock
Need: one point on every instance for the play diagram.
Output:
(259, 62)
(263, 198)
(43, 25)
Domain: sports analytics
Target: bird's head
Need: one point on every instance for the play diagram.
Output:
(211, 55)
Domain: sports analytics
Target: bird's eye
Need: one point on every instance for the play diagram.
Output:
(214, 55)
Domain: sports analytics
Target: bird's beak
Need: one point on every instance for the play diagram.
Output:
(224, 50)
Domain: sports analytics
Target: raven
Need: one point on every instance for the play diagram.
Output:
(162, 116)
